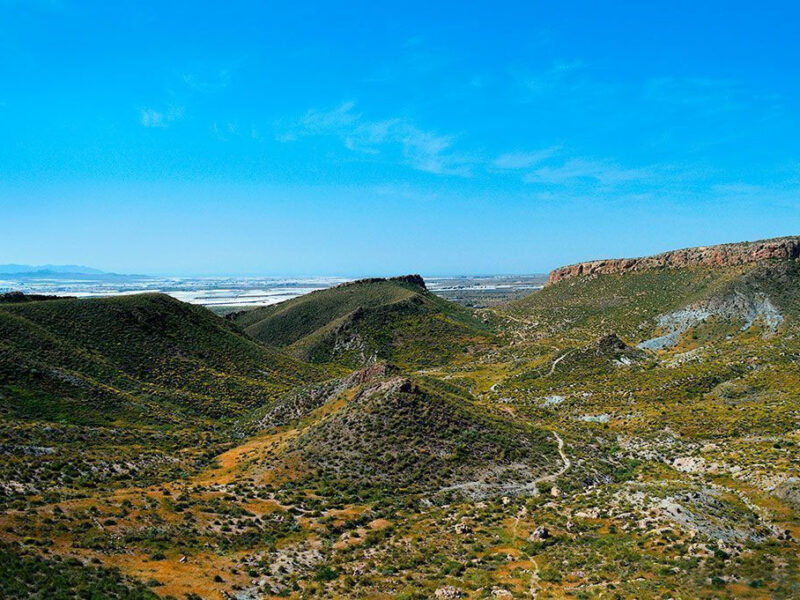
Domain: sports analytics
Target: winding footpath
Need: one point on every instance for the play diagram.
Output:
(531, 487)
(558, 360)
(564, 457)
(534, 587)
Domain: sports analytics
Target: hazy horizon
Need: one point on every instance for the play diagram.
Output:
(165, 272)
(321, 139)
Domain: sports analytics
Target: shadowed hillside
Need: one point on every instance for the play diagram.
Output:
(106, 391)
(107, 350)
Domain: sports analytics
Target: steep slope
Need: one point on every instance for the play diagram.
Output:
(399, 435)
(109, 349)
(363, 321)
(135, 388)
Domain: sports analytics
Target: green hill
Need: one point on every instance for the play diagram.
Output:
(631, 429)
(655, 307)
(115, 350)
(373, 319)
(102, 391)
(401, 435)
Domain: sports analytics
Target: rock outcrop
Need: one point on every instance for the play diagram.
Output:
(723, 255)
(611, 344)
(414, 279)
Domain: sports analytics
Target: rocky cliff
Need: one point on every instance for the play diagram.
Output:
(721, 255)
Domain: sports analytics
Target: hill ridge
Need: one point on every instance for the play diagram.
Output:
(413, 278)
(359, 322)
(720, 255)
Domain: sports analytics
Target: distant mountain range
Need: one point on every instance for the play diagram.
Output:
(25, 269)
(33, 272)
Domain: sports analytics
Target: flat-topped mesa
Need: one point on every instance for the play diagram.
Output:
(414, 279)
(723, 255)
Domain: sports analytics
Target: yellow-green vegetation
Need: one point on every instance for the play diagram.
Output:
(633, 435)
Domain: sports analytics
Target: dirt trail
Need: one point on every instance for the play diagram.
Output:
(534, 587)
(518, 333)
(564, 457)
(558, 360)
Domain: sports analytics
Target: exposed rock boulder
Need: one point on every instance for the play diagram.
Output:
(540, 533)
(607, 351)
(368, 374)
(462, 528)
(611, 344)
(612, 347)
(448, 592)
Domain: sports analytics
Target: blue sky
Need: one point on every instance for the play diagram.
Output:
(379, 138)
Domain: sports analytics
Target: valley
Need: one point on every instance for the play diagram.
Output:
(629, 430)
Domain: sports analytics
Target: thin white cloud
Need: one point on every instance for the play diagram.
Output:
(561, 74)
(524, 160)
(428, 151)
(151, 117)
(739, 188)
(208, 77)
(577, 170)
(225, 130)
(420, 149)
(337, 121)
(208, 83)
(565, 66)
(783, 193)
(318, 122)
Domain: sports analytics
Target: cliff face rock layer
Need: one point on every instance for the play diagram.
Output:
(723, 255)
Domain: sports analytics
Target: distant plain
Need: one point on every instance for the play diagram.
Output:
(224, 294)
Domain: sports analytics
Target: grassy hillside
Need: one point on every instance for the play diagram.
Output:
(589, 306)
(360, 322)
(134, 388)
(117, 350)
(30, 576)
(626, 435)
(631, 304)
